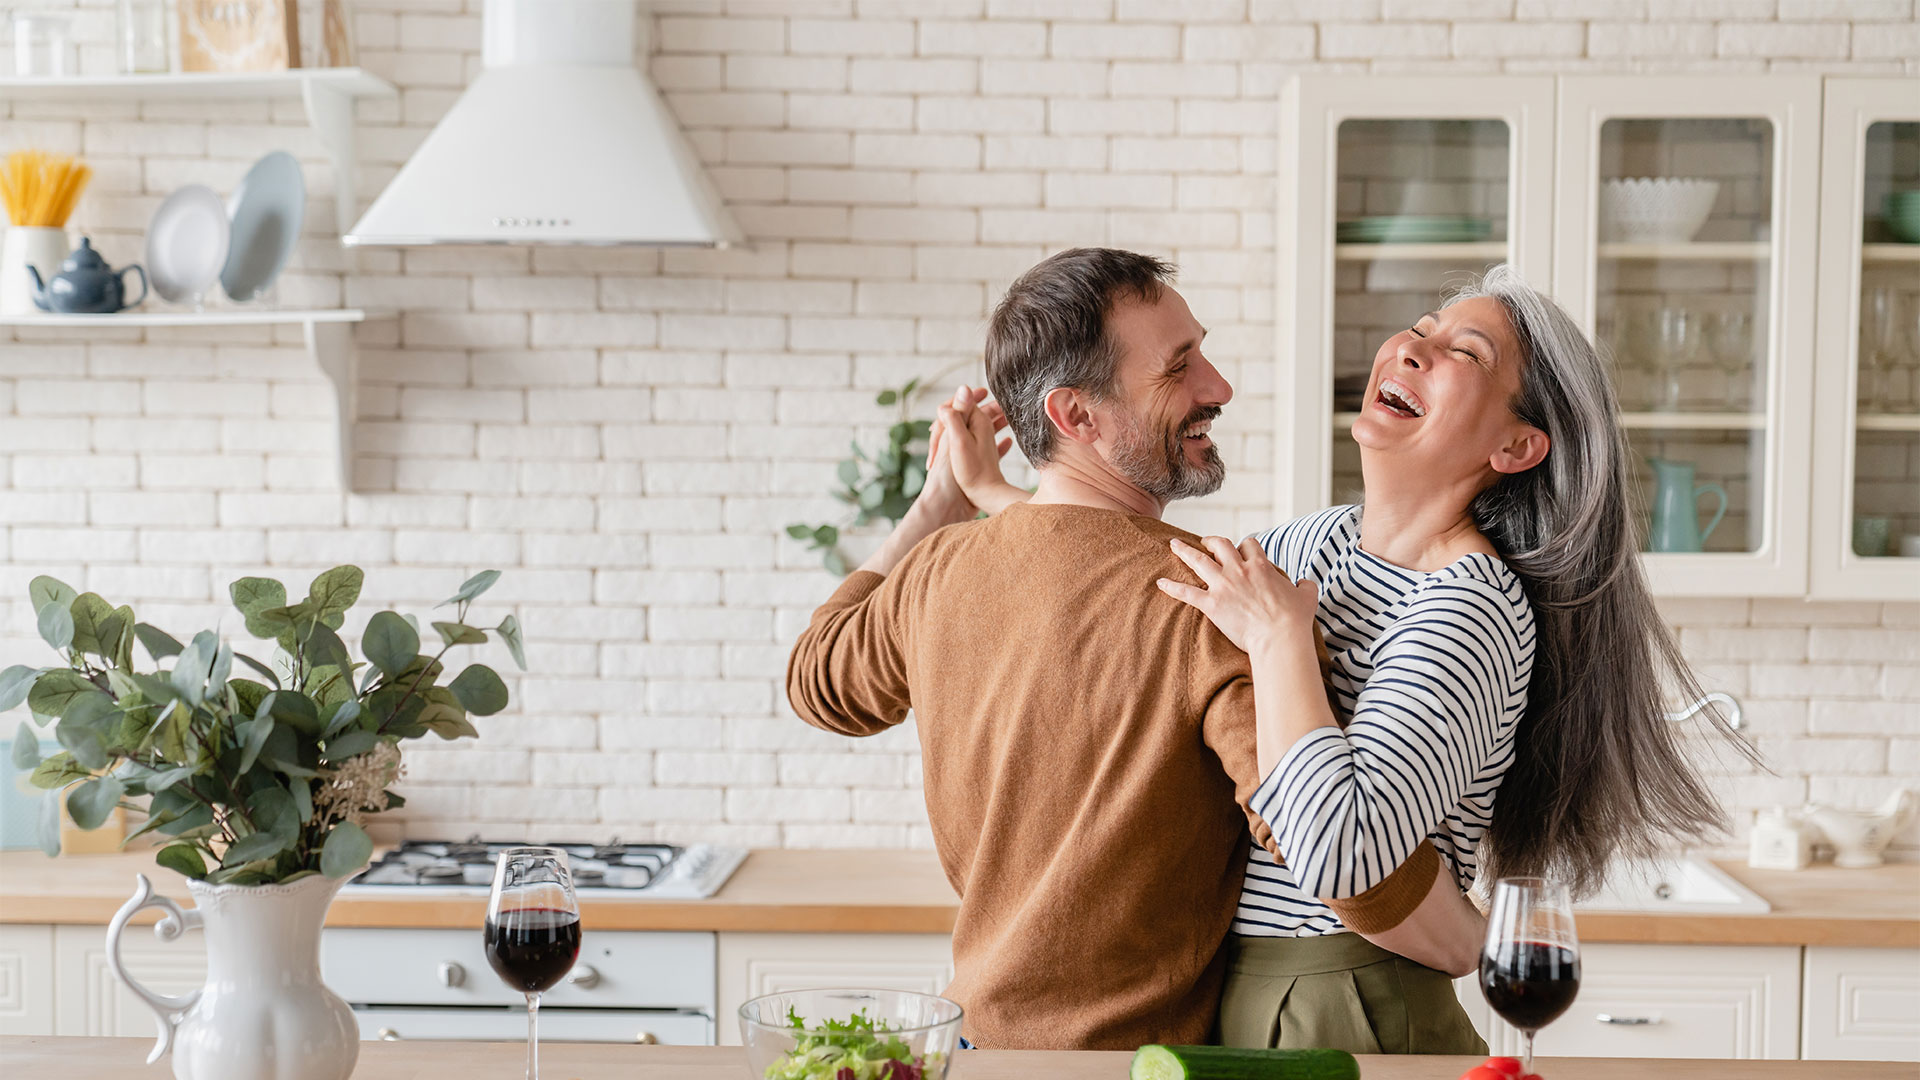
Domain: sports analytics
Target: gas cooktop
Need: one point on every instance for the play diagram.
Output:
(641, 871)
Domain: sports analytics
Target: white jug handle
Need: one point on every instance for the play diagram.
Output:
(175, 921)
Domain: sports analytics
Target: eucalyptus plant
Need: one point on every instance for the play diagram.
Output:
(878, 485)
(255, 780)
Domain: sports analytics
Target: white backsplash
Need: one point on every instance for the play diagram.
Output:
(626, 432)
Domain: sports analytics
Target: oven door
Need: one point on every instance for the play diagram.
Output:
(556, 1025)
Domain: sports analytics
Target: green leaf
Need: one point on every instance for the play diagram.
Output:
(85, 728)
(454, 633)
(55, 691)
(253, 595)
(116, 638)
(285, 753)
(346, 850)
(294, 709)
(873, 495)
(835, 562)
(273, 811)
(260, 727)
(254, 847)
(57, 772)
(159, 643)
(92, 802)
(170, 734)
(914, 480)
(189, 675)
(44, 590)
(479, 690)
(222, 666)
(848, 472)
(269, 673)
(390, 643)
(302, 792)
(826, 536)
(509, 631)
(47, 828)
(14, 684)
(887, 397)
(90, 611)
(338, 716)
(799, 532)
(182, 859)
(900, 434)
(912, 385)
(56, 626)
(444, 715)
(26, 747)
(155, 689)
(325, 649)
(472, 587)
(349, 744)
(333, 592)
(199, 817)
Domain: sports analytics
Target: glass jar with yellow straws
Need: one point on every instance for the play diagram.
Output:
(39, 190)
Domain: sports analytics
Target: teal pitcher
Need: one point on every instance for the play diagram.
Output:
(1676, 507)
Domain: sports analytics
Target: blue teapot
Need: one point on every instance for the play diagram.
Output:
(85, 285)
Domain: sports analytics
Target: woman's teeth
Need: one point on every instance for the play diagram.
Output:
(1398, 398)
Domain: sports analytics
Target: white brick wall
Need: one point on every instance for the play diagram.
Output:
(625, 432)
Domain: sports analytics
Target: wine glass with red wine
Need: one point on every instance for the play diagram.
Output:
(1530, 966)
(533, 929)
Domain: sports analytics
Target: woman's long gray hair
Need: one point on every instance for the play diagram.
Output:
(1598, 770)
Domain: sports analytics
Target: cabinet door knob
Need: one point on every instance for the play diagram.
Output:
(584, 977)
(452, 974)
(1627, 1021)
(388, 1035)
(646, 1038)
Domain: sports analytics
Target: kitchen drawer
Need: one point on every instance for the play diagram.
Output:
(1862, 1004)
(556, 1025)
(629, 969)
(755, 964)
(26, 980)
(88, 1000)
(1697, 1001)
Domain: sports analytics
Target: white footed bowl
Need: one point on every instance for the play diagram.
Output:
(1662, 209)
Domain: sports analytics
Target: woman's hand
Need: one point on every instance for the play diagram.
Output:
(967, 428)
(1245, 595)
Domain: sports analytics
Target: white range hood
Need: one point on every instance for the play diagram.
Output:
(560, 140)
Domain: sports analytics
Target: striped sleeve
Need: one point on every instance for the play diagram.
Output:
(1348, 807)
(1293, 545)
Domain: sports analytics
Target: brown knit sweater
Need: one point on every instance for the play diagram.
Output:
(1089, 752)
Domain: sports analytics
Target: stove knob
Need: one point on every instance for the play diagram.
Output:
(389, 1035)
(584, 977)
(452, 974)
(646, 1038)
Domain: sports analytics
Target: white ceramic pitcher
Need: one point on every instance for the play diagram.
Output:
(263, 1014)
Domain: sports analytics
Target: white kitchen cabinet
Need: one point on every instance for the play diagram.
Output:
(1712, 339)
(1866, 419)
(756, 964)
(26, 980)
(1862, 1004)
(88, 1000)
(1667, 1001)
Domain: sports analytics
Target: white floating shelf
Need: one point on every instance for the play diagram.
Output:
(240, 317)
(1719, 251)
(329, 337)
(351, 81)
(1658, 421)
(1886, 253)
(1492, 250)
(328, 93)
(1887, 422)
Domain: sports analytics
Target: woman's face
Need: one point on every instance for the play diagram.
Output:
(1438, 399)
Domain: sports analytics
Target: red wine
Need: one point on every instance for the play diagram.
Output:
(1530, 983)
(532, 948)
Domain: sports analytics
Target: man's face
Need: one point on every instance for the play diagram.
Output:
(1167, 396)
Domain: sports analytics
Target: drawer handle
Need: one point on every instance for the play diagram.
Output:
(646, 1038)
(1627, 1021)
(452, 975)
(584, 977)
(389, 1035)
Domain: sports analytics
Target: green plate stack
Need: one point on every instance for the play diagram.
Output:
(1903, 215)
(1412, 229)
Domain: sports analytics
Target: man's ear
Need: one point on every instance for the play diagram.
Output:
(1071, 414)
(1527, 448)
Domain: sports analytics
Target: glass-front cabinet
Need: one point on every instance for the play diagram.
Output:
(1396, 198)
(1866, 522)
(1692, 226)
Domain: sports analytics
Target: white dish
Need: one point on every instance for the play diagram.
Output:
(1661, 209)
(266, 211)
(187, 244)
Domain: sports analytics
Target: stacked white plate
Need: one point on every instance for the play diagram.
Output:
(195, 238)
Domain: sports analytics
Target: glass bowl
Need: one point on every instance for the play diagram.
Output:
(875, 1034)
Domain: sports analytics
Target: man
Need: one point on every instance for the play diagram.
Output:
(1088, 742)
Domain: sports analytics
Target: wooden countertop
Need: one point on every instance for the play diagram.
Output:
(905, 892)
(62, 1058)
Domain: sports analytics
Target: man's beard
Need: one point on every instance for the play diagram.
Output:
(1156, 463)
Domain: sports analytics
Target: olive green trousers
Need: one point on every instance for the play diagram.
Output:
(1340, 992)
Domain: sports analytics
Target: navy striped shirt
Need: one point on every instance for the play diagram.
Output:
(1430, 674)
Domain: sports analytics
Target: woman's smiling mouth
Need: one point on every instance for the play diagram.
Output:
(1396, 398)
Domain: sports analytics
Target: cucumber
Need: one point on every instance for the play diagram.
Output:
(1153, 1062)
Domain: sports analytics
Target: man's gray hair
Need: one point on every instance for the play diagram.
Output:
(1049, 332)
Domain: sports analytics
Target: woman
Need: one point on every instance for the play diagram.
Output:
(1491, 632)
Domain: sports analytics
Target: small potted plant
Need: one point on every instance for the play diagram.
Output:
(260, 774)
